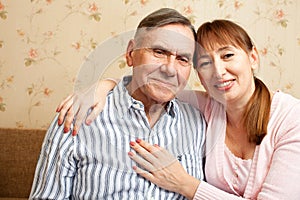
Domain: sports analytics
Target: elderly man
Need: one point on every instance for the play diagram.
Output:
(94, 164)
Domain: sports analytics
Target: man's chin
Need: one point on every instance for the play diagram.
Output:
(161, 93)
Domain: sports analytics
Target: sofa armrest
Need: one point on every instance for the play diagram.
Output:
(20, 149)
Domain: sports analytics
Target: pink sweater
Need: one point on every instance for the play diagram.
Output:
(273, 173)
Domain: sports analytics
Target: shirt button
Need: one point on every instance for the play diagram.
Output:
(235, 167)
(136, 106)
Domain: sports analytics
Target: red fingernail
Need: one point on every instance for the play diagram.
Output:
(66, 130)
(74, 132)
(156, 145)
(132, 143)
(138, 140)
(134, 167)
(88, 122)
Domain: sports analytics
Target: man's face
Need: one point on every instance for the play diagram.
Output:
(161, 62)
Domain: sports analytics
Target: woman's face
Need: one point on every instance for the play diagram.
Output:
(226, 72)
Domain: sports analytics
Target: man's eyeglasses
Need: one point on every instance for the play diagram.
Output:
(163, 56)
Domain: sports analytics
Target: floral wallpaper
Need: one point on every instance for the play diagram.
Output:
(46, 44)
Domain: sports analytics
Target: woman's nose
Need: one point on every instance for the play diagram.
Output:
(220, 68)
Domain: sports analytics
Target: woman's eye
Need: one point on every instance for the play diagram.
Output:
(204, 64)
(228, 55)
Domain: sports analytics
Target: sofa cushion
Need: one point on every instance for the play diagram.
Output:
(20, 149)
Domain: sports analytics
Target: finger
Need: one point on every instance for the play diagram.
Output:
(63, 111)
(162, 158)
(141, 162)
(150, 148)
(147, 175)
(78, 122)
(68, 120)
(160, 152)
(143, 152)
(60, 106)
(93, 114)
(165, 157)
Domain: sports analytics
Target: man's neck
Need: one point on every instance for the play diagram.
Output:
(154, 112)
(153, 109)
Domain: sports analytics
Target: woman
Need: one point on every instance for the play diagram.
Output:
(253, 135)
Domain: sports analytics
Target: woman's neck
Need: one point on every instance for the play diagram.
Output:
(235, 114)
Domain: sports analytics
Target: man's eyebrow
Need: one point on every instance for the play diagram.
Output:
(185, 54)
(156, 46)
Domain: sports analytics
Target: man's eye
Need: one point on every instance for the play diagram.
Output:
(183, 59)
(159, 52)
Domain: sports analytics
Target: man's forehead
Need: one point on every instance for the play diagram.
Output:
(169, 39)
(181, 33)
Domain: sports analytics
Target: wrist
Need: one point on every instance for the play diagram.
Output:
(189, 187)
(106, 84)
(111, 80)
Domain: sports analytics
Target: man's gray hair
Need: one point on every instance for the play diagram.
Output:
(162, 17)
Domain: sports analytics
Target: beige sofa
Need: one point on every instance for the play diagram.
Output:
(19, 151)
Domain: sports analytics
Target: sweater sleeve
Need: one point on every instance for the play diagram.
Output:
(56, 167)
(282, 146)
(206, 191)
(283, 176)
(198, 99)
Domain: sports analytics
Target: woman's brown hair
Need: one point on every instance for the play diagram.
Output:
(224, 32)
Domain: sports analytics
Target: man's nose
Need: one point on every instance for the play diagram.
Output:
(169, 67)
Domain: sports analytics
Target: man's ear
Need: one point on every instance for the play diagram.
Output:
(254, 58)
(129, 51)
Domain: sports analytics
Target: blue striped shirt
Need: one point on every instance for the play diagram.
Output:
(95, 163)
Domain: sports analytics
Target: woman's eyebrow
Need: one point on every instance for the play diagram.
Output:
(205, 56)
(225, 48)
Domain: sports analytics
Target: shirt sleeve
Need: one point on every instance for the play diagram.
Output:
(56, 166)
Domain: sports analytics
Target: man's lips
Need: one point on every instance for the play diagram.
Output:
(163, 83)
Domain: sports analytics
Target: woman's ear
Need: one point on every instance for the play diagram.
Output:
(129, 51)
(254, 58)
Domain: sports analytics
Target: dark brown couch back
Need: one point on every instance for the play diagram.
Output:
(19, 151)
